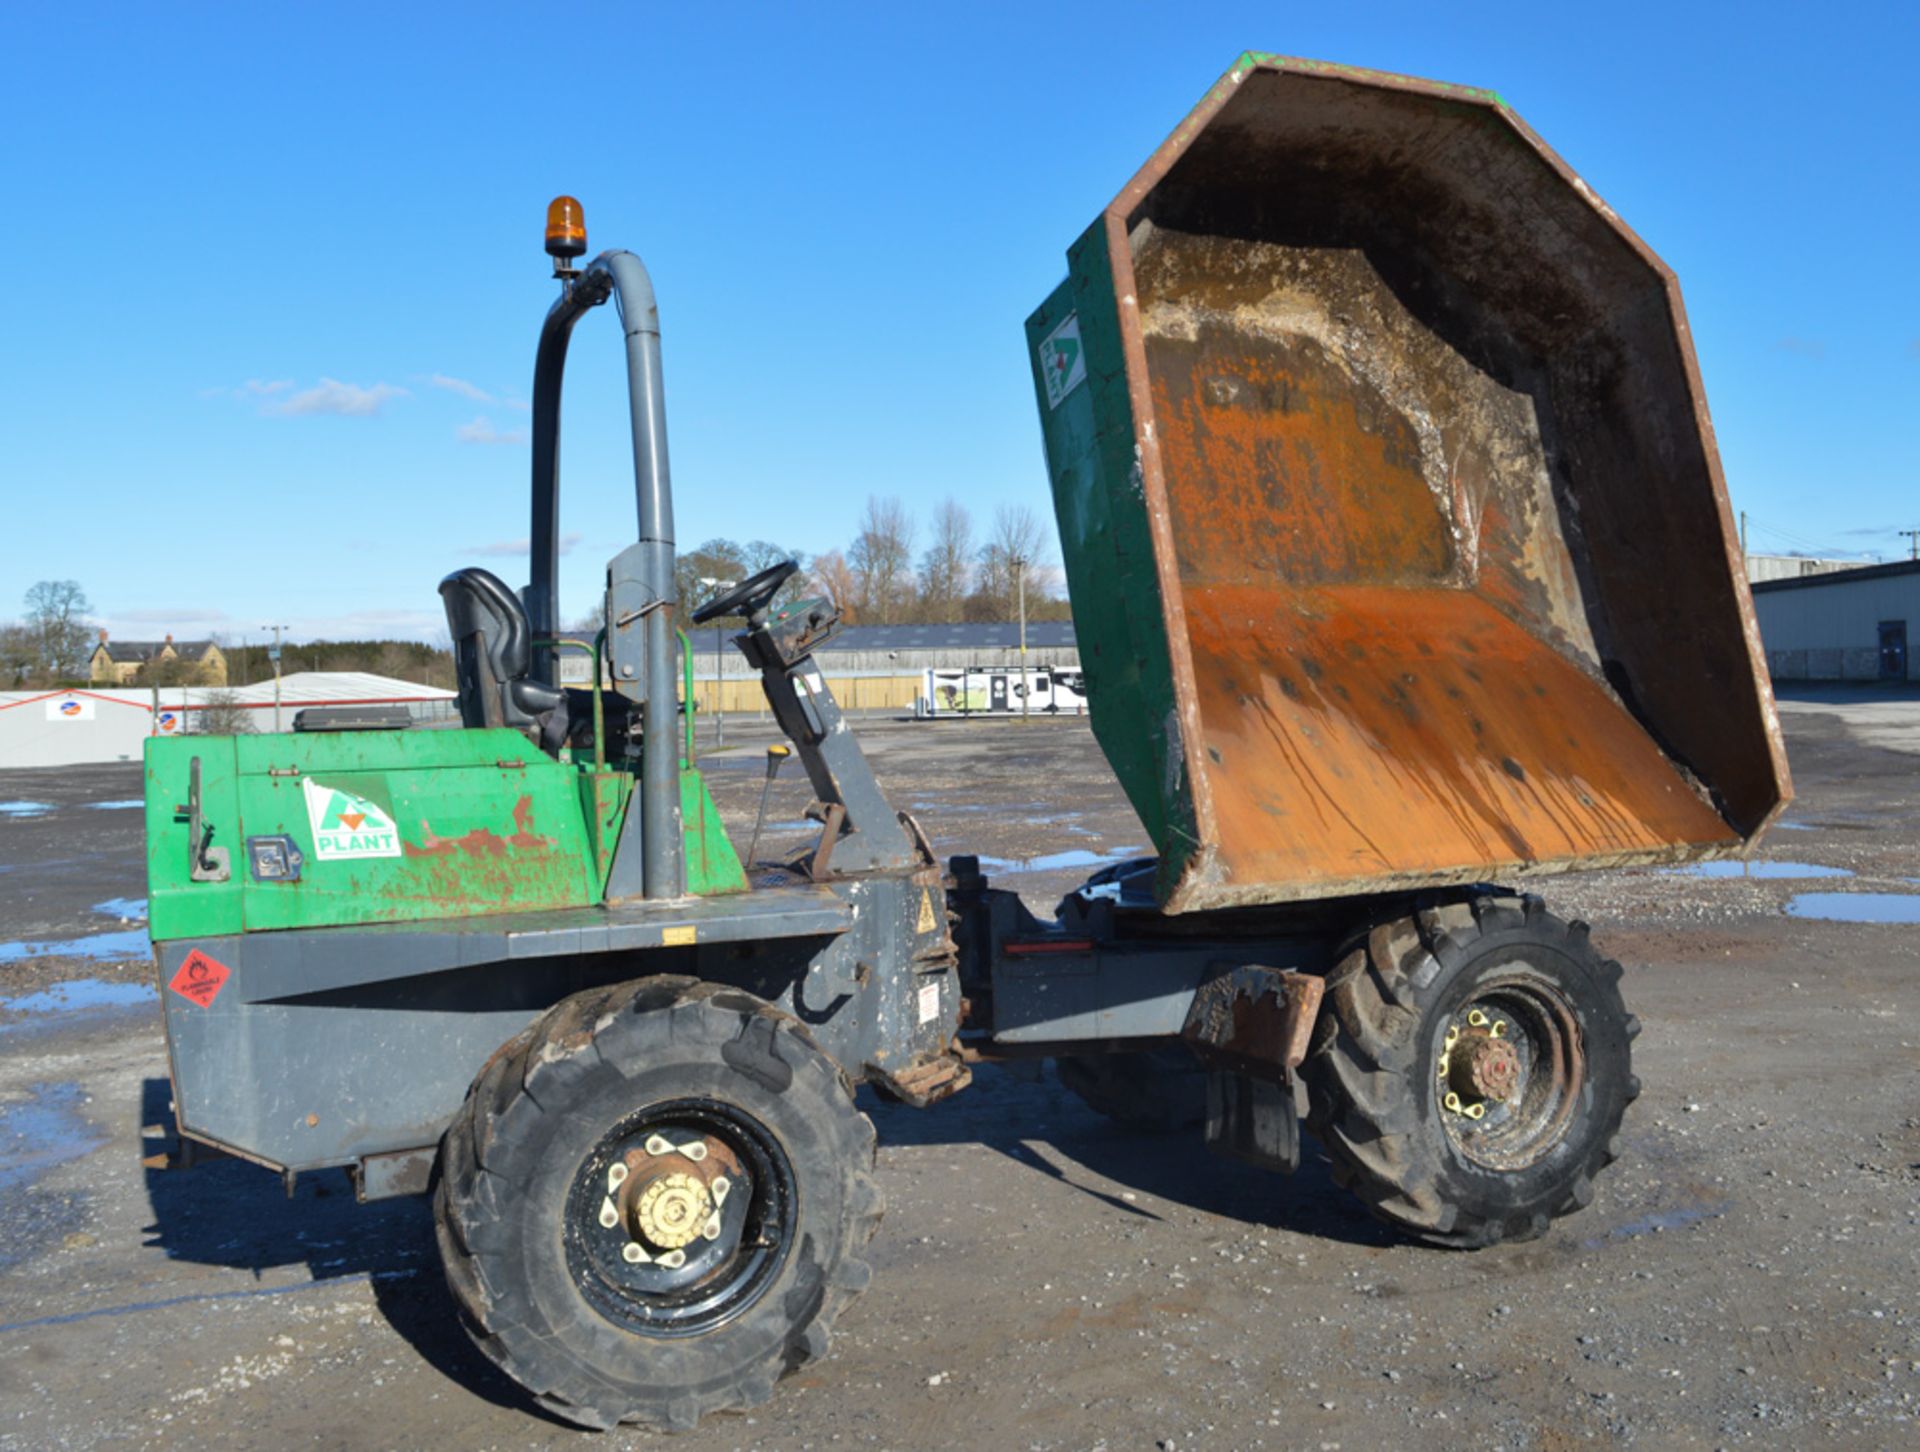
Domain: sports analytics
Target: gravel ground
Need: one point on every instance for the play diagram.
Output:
(1748, 1275)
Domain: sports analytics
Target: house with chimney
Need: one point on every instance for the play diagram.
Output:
(163, 662)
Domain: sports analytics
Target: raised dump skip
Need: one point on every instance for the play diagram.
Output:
(1397, 542)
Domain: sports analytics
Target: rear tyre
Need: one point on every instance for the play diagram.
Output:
(653, 1202)
(1152, 1091)
(1470, 1070)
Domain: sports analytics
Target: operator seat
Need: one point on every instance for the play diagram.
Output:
(492, 652)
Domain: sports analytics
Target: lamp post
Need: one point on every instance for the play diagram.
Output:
(1020, 588)
(719, 665)
(273, 654)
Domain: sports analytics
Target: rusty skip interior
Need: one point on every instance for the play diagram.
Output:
(1453, 575)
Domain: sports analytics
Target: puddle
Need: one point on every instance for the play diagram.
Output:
(78, 995)
(127, 805)
(1793, 826)
(101, 947)
(1662, 1220)
(127, 909)
(24, 809)
(1856, 907)
(41, 1134)
(1059, 861)
(1755, 870)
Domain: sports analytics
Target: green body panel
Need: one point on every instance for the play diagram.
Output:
(604, 796)
(396, 826)
(1106, 544)
(712, 864)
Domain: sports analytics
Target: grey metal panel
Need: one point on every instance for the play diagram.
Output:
(313, 960)
(1097, 995)
(331, 1076)
(406, 1172)
(328, 1046)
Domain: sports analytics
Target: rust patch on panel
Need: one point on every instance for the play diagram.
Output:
(1358, 731)
(482, 843)
(1395, 672)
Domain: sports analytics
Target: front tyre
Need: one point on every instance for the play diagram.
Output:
(652, 1204)
(1470, 1070)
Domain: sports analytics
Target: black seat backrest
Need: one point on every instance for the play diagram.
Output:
(492, 652)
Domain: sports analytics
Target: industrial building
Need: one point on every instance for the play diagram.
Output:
(64, 728)
(1792, 567)
(1848, 625)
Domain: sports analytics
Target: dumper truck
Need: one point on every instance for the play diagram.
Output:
(1401, 565)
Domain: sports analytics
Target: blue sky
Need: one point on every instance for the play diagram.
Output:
(271, 275)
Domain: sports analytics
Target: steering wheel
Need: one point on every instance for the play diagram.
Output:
(750, 596)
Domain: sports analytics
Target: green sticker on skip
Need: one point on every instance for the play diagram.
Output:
(347, 825)
(1063, 362)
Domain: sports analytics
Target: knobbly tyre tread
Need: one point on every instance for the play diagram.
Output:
(513, 1105)
(1362, 1105)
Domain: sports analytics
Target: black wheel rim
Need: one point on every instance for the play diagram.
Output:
(680, 1217)
(1509, 1065)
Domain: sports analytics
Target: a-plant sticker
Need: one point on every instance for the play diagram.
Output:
(347, 825)
(1063, 362)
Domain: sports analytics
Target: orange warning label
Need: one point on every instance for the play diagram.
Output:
(201, 978)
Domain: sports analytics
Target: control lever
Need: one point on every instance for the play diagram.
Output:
(205, 862)
(777, 755)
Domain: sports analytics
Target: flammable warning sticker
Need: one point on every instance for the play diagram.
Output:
(346, 825)
(200, 978)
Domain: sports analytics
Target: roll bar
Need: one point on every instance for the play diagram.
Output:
(641, 600)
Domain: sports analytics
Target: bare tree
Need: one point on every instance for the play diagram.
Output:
(946, 566)
(58, 627)
(19, 655)
(169, 670)
(762, 554)
(588, 625)
(834, 578)
(882, 560)
(1016, 546)
(717, 559)
(219, 713)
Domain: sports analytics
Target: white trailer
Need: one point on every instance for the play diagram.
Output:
(1001, 691)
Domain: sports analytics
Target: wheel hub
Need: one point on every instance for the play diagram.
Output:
(671, 1211)
(1485, 1067)
(666, 1195)
(1479, 1066)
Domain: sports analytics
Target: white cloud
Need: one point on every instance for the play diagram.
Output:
(482, 431)
(518, 546)
(474, 392)
(460, 386)
(347, 400)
